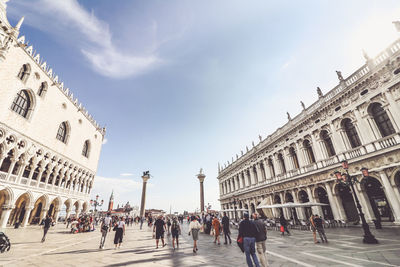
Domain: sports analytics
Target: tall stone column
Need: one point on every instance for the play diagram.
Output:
(145, 177)
(391, 197)
(5, 215)
(201, 178)
(332, 202)
(26, 217)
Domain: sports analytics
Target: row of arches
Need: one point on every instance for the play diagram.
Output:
(26, 209)
(379, 201)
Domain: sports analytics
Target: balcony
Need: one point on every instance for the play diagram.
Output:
(35, 185)
(381, 144)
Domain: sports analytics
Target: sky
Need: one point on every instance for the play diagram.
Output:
(184, 85)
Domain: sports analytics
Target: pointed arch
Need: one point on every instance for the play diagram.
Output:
(24, 72)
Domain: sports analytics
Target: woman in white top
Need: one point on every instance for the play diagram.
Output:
(194, 228)
(119, 232)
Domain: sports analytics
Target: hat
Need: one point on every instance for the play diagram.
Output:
(246, 215)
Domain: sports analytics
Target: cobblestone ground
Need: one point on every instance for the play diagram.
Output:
(345, 248)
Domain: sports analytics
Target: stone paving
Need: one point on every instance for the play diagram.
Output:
(345, 248)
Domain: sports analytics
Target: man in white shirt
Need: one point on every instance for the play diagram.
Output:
(105, 227)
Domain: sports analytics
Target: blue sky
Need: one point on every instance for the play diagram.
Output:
(182, 85)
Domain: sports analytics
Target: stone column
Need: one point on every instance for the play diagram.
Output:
(300, 211)
(28, 211)
(246, 179)
(364, 130)
(315, 209)
(252, 178)
(285, 210)
(56, 214)
(67, 213)
(145, 177)
(337, 140)
(267, 168)
(316, 148)
(391, 197)
(201, 178)
(366, 207)
(332, 202)
(300, 155)
(5, 215)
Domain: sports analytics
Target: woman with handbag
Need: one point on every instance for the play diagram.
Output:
(194, 228)
(119, 229)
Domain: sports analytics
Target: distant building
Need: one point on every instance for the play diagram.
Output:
(111, 202)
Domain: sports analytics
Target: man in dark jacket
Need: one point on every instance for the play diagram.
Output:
(248, 230)
(261, 237)
(225, 226)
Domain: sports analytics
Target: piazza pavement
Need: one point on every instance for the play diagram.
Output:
(345, 248)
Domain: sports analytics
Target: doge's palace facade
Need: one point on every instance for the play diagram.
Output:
(358, 121)
(49, 144)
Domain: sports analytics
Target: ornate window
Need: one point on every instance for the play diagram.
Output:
(351, 133)
(293, 155)
(42, 89)
(86, 148)
(328, 143)
(309, 151)
(62, 132)
(24, 73)
(21, 103)
(282, 162)
(381, 119)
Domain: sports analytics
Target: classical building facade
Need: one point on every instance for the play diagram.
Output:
(358, 121)
(49, 144)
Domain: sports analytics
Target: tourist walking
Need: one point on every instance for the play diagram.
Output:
(283, 222)
(159, 228)
(168, 225)
(248, 231)
(194, 228)
(313, 229)
(119, 232)
(320, 228)
(260, 240)
(105, 228)
(217, 229)
(175, 231)
(46, 226)
(225, 228)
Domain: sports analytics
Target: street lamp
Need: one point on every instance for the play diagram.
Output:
(347, 180)
(96, 203)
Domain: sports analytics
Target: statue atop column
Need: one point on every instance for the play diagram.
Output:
(302, 105)
(339, 75)
(319, 92)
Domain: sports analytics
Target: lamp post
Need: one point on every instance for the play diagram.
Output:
(96, 203)
(346, 180)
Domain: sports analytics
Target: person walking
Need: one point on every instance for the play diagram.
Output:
(119, 232)
(217, 229)
(46, 226)
(260, 240)
(168, 225)
(175, 231)
(194, 228)
(313, 229)
(320, 228)
(105, 228)
(225, 228)
(248, 230)
(283, 222)
(159, 228)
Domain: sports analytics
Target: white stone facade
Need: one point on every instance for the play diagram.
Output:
(357, 121)
(49, 144)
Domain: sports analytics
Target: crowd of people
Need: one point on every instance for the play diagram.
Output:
(252, 234)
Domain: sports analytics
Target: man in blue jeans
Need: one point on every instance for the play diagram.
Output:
(248, 230)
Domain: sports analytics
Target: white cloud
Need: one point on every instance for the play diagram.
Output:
(126, 174)
(92, 35)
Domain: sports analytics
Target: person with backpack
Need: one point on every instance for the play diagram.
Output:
(105, 227)
(248, 231)
(225, 226)
(261, 237)
(46, 226)
(175, 230)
